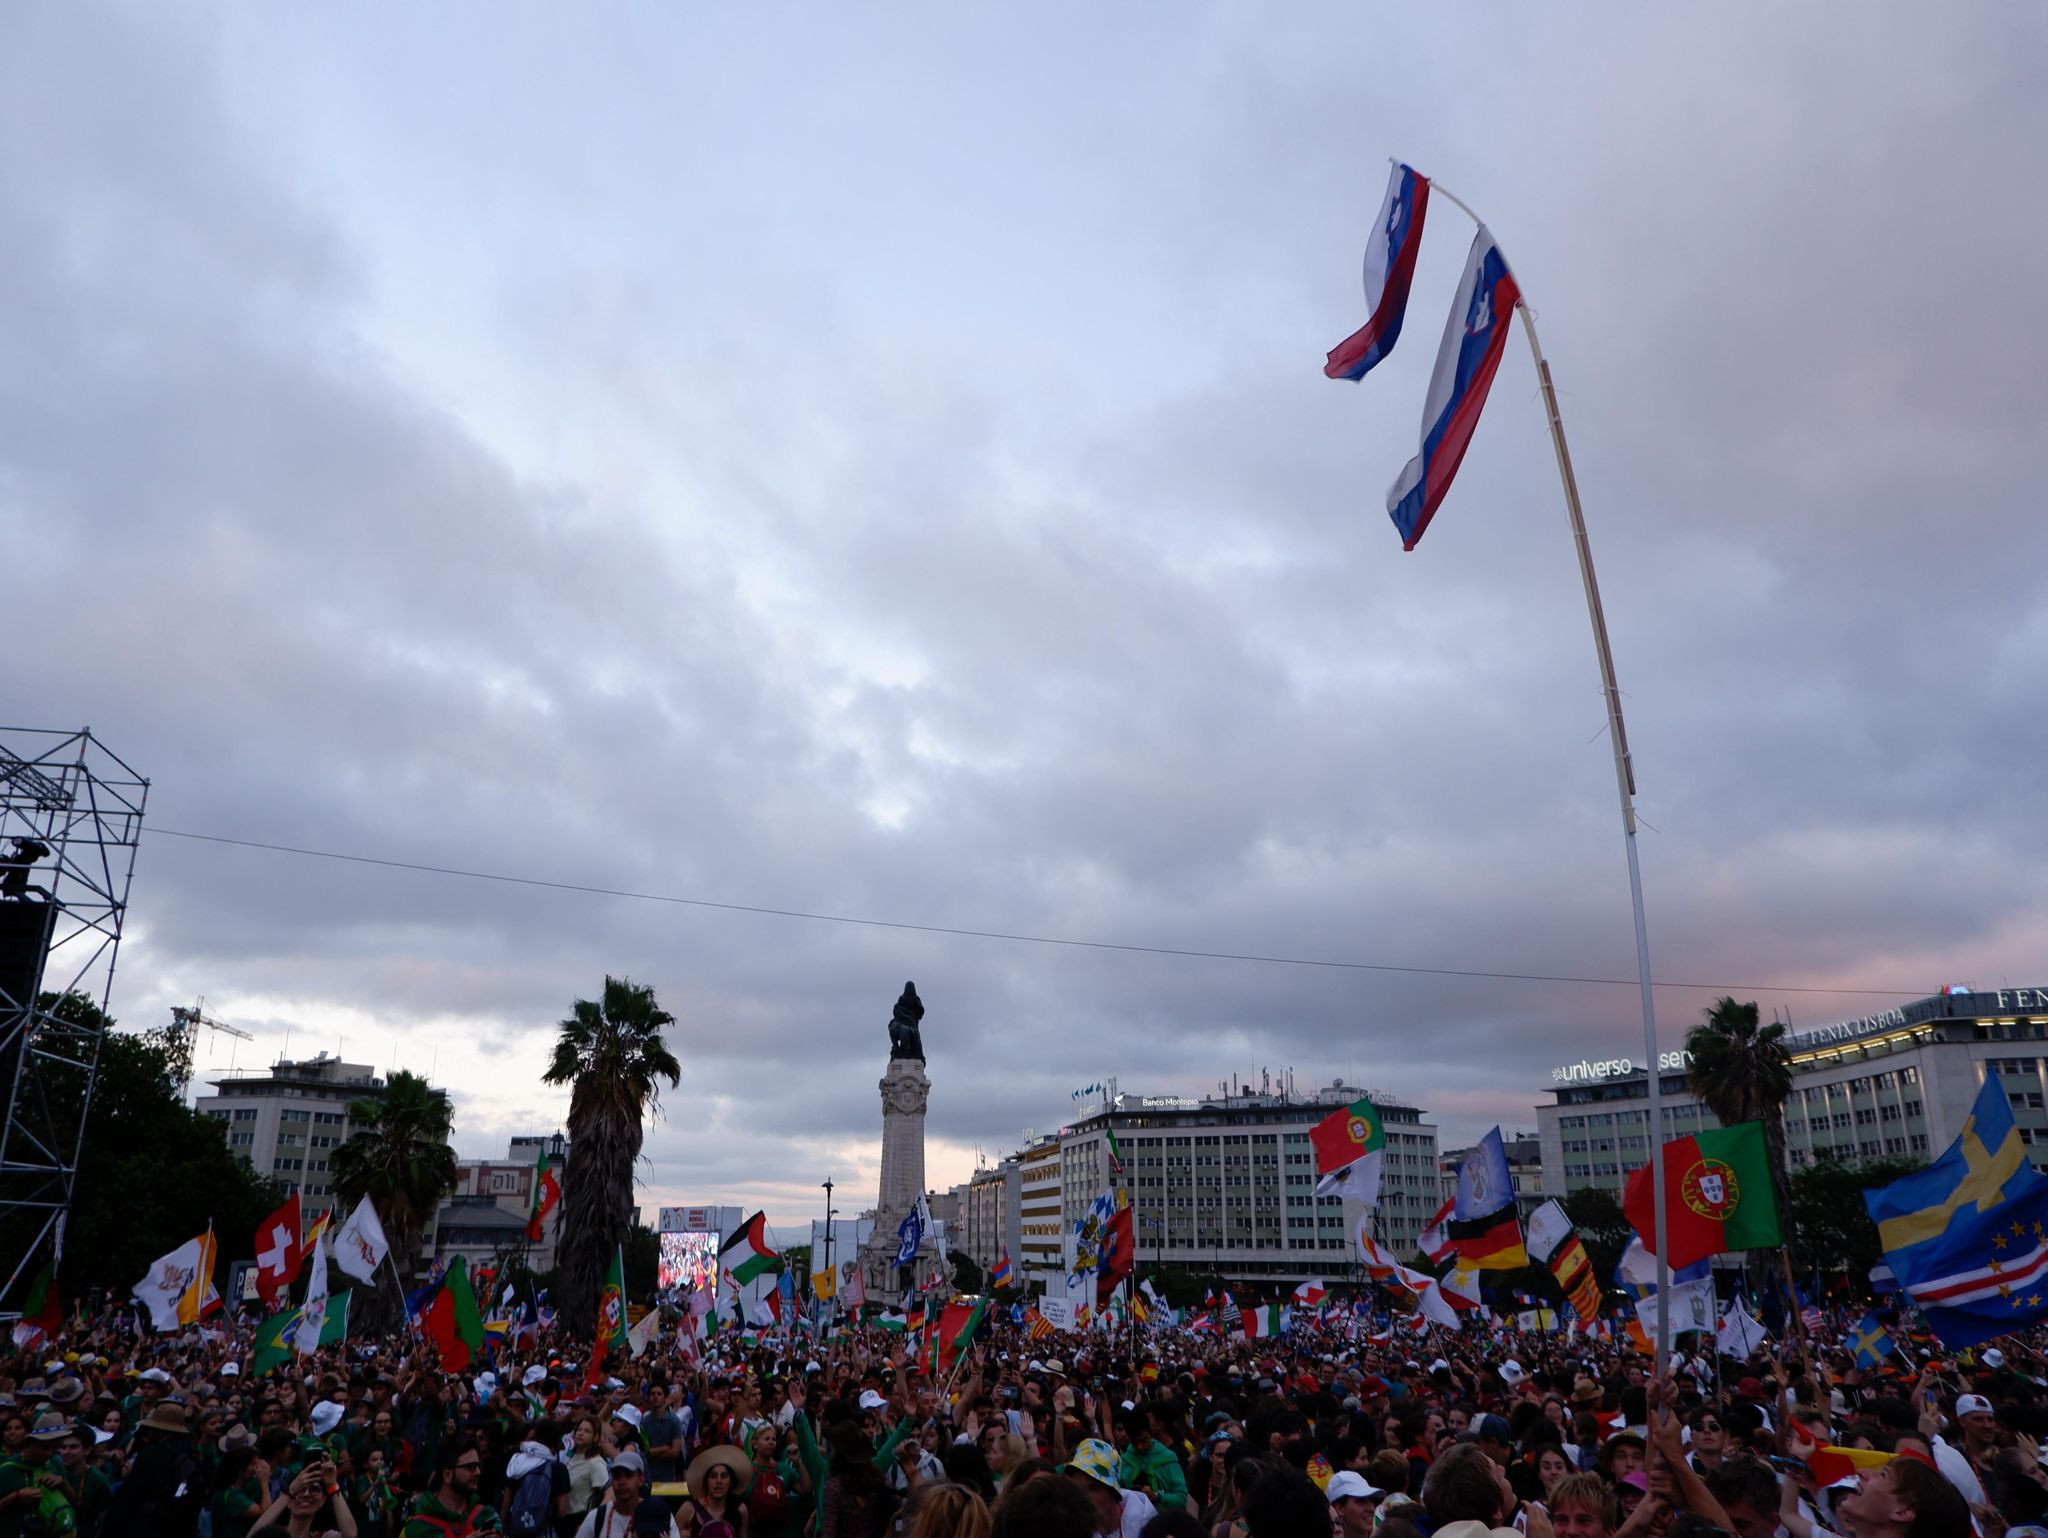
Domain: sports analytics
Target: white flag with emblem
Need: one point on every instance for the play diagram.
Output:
(360, 1246)
(313, 1317)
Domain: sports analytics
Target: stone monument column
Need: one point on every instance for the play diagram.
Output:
(905, 1088)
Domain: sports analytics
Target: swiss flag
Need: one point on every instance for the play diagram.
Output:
(278, 1252)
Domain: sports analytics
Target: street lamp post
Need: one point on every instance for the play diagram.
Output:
(828, 1243)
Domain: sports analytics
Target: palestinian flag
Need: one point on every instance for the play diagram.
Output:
(609, 1339)
(895, 1321)
(1265, 1322)
(274, 1347)
(1116, 1154)
(451, 1319)
(1717, 1195)
(40, 1317)
(547, 1190)
(746, 1254)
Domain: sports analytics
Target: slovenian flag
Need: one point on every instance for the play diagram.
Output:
(1389, 270)
(1474, 337)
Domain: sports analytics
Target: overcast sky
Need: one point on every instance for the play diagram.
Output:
(876, 461)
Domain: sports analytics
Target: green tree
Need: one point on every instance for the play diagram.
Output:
(1604, 1227)
(398, 1157)
(967, 1273)
(1827, 1206)
(611, 1052)
(152, 1172)
(1741, 1070)
(643, 1261)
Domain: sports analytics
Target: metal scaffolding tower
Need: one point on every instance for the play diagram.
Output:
(70, 819)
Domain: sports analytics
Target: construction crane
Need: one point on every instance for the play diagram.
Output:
(185, 1025)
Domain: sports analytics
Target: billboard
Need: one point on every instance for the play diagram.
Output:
(691, 1220)
(688, 1260)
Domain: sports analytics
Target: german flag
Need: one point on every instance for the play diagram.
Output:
(1490, 1243)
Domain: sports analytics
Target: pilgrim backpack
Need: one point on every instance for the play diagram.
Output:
(530, 1501)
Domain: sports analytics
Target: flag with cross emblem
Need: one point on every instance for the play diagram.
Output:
(1968, 1235)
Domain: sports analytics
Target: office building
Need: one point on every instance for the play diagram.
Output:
(1894, 1084)
(286, 1120)
(484, 1218)
(1226, 1184)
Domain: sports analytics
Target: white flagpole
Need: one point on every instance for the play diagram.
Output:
(1625, 784)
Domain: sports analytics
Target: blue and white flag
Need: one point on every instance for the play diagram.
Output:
(1389, 270)
(910, 1232)
(1485, 1184)
(1968, 1235)
(1474, 337)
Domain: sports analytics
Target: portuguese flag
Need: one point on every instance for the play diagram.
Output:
(609, 1339)
(1717, 1195)
(746, 1254)
(547, 1190)
(451, 1319)
(40, 1316)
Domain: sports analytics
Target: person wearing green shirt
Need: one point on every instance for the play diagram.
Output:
(25, 1477)
(241, 1488)
(816, 1467)
(451, 1506)
(89, 1491)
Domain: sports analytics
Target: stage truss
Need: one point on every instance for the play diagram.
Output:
(66, 793)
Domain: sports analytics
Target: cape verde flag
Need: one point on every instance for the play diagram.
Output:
(1389, 269)
(1473, 339)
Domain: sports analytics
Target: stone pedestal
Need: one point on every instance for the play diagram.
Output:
(905, 1089)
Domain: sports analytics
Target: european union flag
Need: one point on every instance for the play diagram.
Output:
(1872, 1344)
(1968, 1236)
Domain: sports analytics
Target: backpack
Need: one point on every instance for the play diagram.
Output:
(53, 1516)
(531, 1499)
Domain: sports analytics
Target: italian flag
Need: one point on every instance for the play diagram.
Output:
(1264, 1322)
(547, 1190)
(746, 1254)
(1717, 1196)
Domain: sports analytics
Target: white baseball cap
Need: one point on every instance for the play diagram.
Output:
(870, 1400)
(1345, 1483)
(1972, 1404)
(628, 1413)
(1511, 1372)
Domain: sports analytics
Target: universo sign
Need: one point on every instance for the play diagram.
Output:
(1614, 1067)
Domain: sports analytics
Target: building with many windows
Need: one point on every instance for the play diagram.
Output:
(286, 1120)
(1041, 1230)
(485, 1216)
(1226, 1184)
(993, 1219)
(1895, 1084)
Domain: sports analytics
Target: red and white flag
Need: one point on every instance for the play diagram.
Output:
(1435, 1240)
(278, 1252)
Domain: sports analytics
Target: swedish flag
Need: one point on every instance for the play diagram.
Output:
(1968, 1236)
(1871, 1341)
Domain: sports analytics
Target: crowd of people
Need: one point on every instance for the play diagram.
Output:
(1315, 1434)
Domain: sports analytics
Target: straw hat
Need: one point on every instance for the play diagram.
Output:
(725, 1456)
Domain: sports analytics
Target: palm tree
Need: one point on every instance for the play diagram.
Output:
(398, 1157)
(611, 1050)
(1741, 1070)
